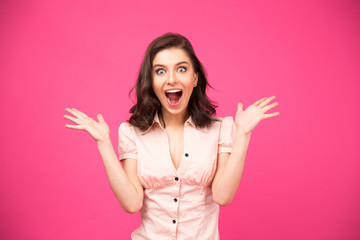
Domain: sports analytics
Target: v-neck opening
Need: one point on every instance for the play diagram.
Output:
(169, 152)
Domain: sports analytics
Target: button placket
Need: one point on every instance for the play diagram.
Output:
(186, 157)
(174, 197)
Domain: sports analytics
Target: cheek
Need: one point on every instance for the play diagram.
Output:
(190, 93)
(190, 85)
(155, 84)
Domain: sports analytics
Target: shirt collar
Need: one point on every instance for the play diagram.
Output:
(188, 121)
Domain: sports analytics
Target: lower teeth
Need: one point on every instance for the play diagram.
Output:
(173, 101)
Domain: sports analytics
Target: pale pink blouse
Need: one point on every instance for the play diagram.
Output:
(178, 204)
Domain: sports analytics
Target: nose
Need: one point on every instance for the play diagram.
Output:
(172, 78)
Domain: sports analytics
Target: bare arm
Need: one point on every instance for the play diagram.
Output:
(229, 170)
(230, 166)
(123, 181)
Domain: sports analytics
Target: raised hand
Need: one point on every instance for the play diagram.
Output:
(100, 131)
(247, 120)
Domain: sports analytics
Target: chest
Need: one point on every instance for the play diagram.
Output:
(176, 146)
(190, 156)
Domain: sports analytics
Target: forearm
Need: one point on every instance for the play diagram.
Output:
(230, 177)
(124, 190)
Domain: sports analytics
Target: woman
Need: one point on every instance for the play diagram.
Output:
(180, 162)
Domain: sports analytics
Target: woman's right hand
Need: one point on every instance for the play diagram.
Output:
(100, 131)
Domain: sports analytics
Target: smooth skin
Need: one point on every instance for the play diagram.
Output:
(124, 180)
(231, 165)
(173, 70)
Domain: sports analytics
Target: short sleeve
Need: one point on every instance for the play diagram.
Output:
(226, 136)
(127, 145)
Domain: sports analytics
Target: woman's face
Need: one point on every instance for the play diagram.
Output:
(173, 80)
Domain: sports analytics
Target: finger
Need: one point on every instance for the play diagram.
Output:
(266, 108)
(271, 115)
(79, 112)
(74, 126)
(266, 101)
(76, 114)
(75, 120)
(259, 101)
(100, 118)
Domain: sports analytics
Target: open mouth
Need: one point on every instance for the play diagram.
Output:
(173, 96)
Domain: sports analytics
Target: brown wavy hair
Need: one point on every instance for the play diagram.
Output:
(200, 107)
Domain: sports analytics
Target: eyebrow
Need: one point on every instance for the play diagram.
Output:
(159, 65)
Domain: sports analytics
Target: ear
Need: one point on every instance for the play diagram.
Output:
(196, 78)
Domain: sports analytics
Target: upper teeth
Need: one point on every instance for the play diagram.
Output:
(173, 91)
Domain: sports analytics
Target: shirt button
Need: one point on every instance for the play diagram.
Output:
(176, 179)
(175, 199)
(186, 154)
(174, 221)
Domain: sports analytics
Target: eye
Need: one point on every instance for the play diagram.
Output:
(182, 69)
(159, 71)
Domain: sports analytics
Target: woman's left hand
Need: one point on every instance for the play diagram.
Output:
(247, 120)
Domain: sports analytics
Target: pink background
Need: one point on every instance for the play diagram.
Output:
(301, 177)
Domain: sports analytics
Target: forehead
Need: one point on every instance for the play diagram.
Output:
(171, 56)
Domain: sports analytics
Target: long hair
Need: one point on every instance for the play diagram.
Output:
(200, 107)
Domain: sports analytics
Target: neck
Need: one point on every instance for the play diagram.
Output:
(172, 120)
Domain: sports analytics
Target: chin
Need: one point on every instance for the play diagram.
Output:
(173, 110)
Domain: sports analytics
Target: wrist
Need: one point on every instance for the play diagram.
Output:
(104, 142)
(242, 133)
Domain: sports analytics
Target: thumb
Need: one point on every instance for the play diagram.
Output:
(100, 118)
(240, 106)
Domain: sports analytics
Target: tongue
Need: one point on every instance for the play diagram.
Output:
(174, 96)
